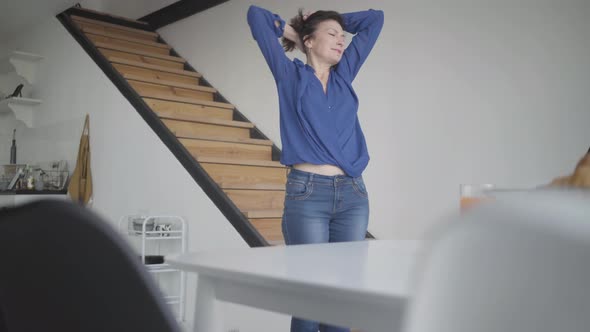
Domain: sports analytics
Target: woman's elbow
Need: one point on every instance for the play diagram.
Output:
(253, 15)
(378, 16)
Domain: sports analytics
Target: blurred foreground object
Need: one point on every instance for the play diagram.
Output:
(580, 177)
(518, 263)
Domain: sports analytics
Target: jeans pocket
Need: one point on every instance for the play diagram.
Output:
(359, 187)
(297, 189)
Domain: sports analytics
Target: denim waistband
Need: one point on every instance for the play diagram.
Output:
(318, 178)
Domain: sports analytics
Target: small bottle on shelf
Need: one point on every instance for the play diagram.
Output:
(13, 148)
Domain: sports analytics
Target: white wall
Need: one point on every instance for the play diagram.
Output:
(130, 8)
(454, 92)
(4, 145)
(133, 172)
(19, 15)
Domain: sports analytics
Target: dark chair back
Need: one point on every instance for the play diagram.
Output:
(62, 268)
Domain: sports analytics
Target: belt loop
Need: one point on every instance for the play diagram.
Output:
(310, 177)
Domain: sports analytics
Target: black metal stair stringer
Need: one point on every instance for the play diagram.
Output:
(238, 220)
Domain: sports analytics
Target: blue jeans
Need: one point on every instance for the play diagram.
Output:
(321, 209)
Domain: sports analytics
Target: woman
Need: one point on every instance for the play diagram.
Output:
(326, 199)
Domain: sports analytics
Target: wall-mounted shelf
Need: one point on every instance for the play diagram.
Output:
(23, 108)
(19, 67)
(24, 64)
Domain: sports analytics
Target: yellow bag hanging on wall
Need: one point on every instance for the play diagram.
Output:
(80, 187)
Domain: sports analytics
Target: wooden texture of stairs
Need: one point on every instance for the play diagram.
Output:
(240, 164)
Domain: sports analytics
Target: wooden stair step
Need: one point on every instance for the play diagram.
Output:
(181, 128)
(142, 47)
(254, 186)
(111, 46)
(143, 88)
(247, 200)
(264, 214)
(140, 58)
(270, 229)
(125, 69)
(187, 100)
(201, 119)
(253, 141)
(153, 67)
(111, 15)
(236, 176)
(146, 42)
(263, 163)
(115, 26)
(130, 34)
(200, 148)
(170, 83)
(172, 108)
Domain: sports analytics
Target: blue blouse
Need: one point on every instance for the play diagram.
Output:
(317, 127)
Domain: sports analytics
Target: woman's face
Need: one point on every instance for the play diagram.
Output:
(327, 42)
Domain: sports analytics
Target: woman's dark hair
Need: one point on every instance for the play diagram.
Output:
(305, 28)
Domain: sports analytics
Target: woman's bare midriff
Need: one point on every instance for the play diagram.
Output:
(329, 170)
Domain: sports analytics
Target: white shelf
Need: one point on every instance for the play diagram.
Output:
(172, 299)
(23, 108)
(24, 64)
(160, 238)
(148, 230)
(158, 234)
(160, 268)
(19, 68)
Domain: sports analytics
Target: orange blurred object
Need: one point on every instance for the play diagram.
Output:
(467, 202)
(474, 194)
(579, 178)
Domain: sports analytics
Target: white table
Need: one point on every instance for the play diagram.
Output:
(356, 284)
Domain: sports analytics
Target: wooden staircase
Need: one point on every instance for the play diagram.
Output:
(219, 139)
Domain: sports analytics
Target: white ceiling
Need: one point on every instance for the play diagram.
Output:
(18, 15)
